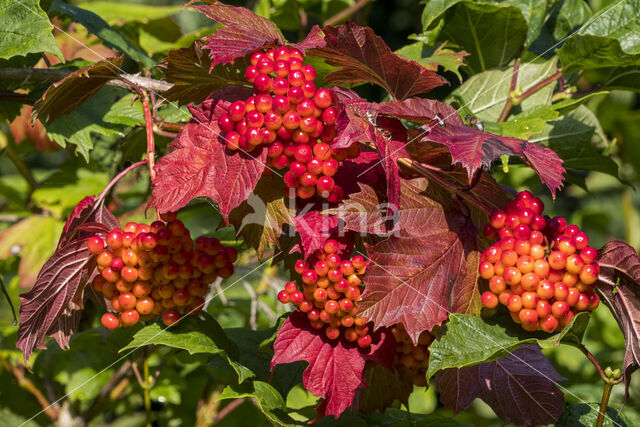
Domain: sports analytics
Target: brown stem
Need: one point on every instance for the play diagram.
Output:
(14, 96)
(512, 87)
(28, 75)
(52, 411)
(171, 127)
(511, 101)
(345, 13)
(594, 361)
(151, 148)
(228, 409)
(147, 390)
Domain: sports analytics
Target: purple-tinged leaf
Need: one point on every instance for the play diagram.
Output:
(390, 139)
(362, 56)
(336, 368)
(420, 274)
(57, 292)
(315, 38)
(421, 110)
(193, 77)
(200, 165)
(473, 149)
(89, 211)
(520, 388)
(355, 123)
(366, 168)
(76, 89)
(243, 33)
(384, 386)
(314, 229)
(619, 288)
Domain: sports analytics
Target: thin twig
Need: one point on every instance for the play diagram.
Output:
(512, 88)
(604, 402)
(164, 133)
(171, 127)
(119, 176)
(52, 411)
(345, 13)
(228, 409)
(21, 167)
(594, 361)
(148, 119)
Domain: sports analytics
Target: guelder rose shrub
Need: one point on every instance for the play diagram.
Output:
(408, 263)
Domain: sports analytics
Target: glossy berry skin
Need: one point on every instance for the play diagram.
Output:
(170, 317)
(110, 321)
(489, 300)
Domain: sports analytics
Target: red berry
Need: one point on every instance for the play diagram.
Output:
(284, 297)
(329, 115)
(95, 244)
(129, 318)
(170, 317)
(514, 303)
(300, 266)
(281, 68)
(309, 72)
(330, 167)
(364, 341)
(296, 78)
(280, 104)
(262, 84)
(308, 89)
(291, 120)
(309, 277)
(110, 321)
(589, 254)
(237, 111)
(489, 299)
(264, 65)
(560, 308)
(549, 323)
(325, 185)
(250, 73)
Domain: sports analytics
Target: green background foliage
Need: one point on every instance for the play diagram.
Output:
(596, 133)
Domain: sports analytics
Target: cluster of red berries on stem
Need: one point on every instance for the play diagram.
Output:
(541, 269)
(293, 119)
(331, 289)
(412, 360)
(148, 270)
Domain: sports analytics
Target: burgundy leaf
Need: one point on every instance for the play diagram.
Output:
(421, 273)
(315, 38)
(89, 211)
(366, 168)
(384, 386)
(520, 388)
(619, 287)
(314, 229)
(355, 123)
(57, 291)
(244, 32)
(421, 110)
(364, 57)
(77, 88)
(200, 165)
(390, 140)
(193, 77)
(473, 148)
(336, 368)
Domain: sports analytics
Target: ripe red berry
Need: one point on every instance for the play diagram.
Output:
(110, 321)
(95, 244)
(170, 317)
(364, 341)
(560, 308)
(236, 111)
(489, 299)
(129, 318)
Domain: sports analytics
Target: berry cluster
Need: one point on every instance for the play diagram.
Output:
(146, 270)
(412, 360)
(330, 294)
(293, 118)
(542, 269)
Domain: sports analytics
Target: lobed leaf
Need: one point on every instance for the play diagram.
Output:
(200, 165)
(314, 229)
(364, 57)
(25, 29)
(260, 218)
(243, 33)
(619, 288)
(532, 398)
(421, 110)
(336, 368)
(89, 210)
(193, 76)
(473, 149)
(48, 307)
(77, 88)
(586, 414)
(470, 340)
(269, 400)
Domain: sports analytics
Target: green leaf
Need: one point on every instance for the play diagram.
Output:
(579, 140)
(493, 33)
(194, 335)
(470, 340)
(158, 35)
(586, 414)
(608, 39)
(534, 13)
(6, 295)
(566, 17)
(431, 58)
(485, 94)
(77, 127)
(63, 190)
(125, 112)
(96, 25)
(624, 78)
(527, 123)
(114, 12)
(398, 417)
(268, 399)
(565, 106)
(24, 29)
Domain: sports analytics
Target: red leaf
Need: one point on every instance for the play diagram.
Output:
(365, 168)
(421, 110)
(390, 140)
(314, 229)
(200, 165)
(57, 293)
(87, 211)
(315, 38)
(364, 57)
(355, 123)
(244, 32)
(336, 368)
(520, 388)
(473, 148)
(421, 273)
(620, 264)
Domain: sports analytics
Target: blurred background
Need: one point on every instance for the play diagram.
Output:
(31, 219)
